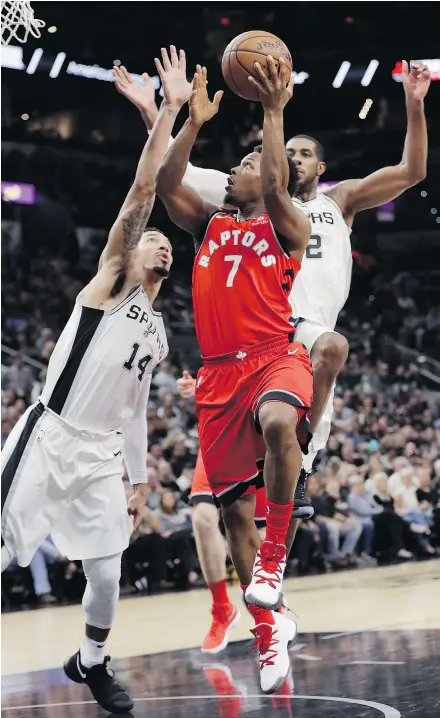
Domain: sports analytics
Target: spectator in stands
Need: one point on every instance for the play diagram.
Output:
(343, 531)
(154, 489)
(392, 535)
(418, 517)
(366, 510)
(174, 521)
(165, 378)
(18, 378)
(147, 552)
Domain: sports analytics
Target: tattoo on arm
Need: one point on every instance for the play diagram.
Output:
(134, 224)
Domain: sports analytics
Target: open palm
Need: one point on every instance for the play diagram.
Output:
(172, 71)
(201, 109)
(142, 96)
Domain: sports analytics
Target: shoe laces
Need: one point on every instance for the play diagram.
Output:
(220, 616)
(104, 669)
(269, 560)
(300, 491)
(266, 643)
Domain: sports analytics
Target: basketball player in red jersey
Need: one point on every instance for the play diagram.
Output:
(254, 389)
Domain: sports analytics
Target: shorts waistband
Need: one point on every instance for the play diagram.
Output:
(82, 434)
(270, 346)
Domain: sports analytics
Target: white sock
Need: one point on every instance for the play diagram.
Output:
(92, 653)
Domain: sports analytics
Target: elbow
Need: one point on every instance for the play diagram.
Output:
(144, 189)
(414, 175)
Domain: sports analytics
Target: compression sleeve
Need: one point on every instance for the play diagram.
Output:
(136, 443)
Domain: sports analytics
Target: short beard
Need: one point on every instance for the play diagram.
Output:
(229, 200)
(162, 272)
(303, 187)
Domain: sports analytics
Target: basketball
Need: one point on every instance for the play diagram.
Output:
(240, 55)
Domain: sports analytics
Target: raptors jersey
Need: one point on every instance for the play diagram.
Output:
(100, 368)
(242, 279)
(324, 281)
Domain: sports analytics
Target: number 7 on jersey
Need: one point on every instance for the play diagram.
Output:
(235, 259)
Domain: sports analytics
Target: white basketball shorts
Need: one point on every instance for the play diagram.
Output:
(308, 332)
(62, 482)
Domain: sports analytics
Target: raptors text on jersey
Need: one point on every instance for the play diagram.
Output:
(242, 279)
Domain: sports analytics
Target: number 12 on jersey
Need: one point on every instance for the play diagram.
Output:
(235, 259)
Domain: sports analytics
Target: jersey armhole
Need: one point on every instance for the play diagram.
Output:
(200, 236)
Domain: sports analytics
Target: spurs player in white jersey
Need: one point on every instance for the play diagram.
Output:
(62, 465)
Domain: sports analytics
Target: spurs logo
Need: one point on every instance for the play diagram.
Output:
(151, 329)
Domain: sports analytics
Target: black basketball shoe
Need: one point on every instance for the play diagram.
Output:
(302, 509)
(101, 681)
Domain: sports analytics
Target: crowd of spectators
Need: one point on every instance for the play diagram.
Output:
(376, 490)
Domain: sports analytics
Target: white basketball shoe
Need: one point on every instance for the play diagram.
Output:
(266, 587)
(273, 642)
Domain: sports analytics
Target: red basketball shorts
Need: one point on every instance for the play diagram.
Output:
(201, 492)
(230, 390)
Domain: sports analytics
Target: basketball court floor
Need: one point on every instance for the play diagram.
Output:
(369, 646)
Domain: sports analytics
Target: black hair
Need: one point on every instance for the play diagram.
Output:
(293, 172)
(319, 149)
(154, 229)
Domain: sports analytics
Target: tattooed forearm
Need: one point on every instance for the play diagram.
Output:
(134, 223)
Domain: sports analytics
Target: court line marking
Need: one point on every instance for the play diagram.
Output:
(387, 711)
(375, 663)
(329, 636)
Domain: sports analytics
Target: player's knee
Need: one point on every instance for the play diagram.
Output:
(103, 574)
(205, 518)
(278, 422)
(330, 349)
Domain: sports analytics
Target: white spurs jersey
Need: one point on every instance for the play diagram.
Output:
(321, 287)
(101, 366)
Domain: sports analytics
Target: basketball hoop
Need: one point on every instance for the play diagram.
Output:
(17, 21)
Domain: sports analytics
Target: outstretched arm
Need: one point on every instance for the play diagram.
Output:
(389, 182)
(208, 183)
(275, 92)
(185, 206)
(135, 212)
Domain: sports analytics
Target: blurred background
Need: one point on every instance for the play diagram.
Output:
(70, 145)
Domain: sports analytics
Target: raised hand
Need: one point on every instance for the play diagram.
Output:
(142, 96)
(186, 385)
(172, 71)
(275, 88)
(416, 80)
(201, 109)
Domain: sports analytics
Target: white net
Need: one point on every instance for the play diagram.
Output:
(17, 21)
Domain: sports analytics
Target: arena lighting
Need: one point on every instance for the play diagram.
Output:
(300, 77)
(18, 193)
(57, 65)
(35, 59)
(423, 193)
(433, 66)
(25, 116)
(366, 108)
(52, 29)
(341, 74)
(369, 72)
(434, 210)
